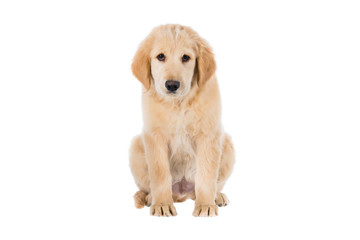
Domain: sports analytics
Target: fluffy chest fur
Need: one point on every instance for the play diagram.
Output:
(181, 124)
(182, 146)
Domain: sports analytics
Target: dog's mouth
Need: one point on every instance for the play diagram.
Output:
(177, 93)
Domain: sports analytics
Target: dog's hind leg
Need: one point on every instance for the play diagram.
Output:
(142, 199)
(226, 165)
(139, 170)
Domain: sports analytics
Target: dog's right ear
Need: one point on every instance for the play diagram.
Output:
(141, 64)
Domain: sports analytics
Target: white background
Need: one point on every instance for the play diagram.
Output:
(289, 75)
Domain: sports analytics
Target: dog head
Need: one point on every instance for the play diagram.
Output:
(172, 59)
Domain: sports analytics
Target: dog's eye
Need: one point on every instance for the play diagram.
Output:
(185, 58)
(161, 57)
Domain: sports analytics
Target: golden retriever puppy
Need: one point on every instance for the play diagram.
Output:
(182, 152)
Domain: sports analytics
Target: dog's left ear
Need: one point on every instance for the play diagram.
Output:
(206, 64)
(141, 64)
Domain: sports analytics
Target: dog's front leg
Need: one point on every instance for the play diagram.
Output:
(207, 167)
(156, 151)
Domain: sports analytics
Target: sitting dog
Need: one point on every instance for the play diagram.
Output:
(182, 152)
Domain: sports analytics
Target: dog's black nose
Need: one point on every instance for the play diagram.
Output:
(172, 85)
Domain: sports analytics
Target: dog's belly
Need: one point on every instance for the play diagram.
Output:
(183, 187)
(182, 164)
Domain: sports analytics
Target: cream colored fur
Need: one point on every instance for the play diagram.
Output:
(182, 136)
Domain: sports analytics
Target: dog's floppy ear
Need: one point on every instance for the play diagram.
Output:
(141, 64)
(206, 65)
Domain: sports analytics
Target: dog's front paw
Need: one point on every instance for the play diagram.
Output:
(163, 210)
(205, 210)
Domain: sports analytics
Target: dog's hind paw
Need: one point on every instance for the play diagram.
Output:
(221, 199)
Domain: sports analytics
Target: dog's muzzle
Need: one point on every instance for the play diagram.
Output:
(172, 85)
